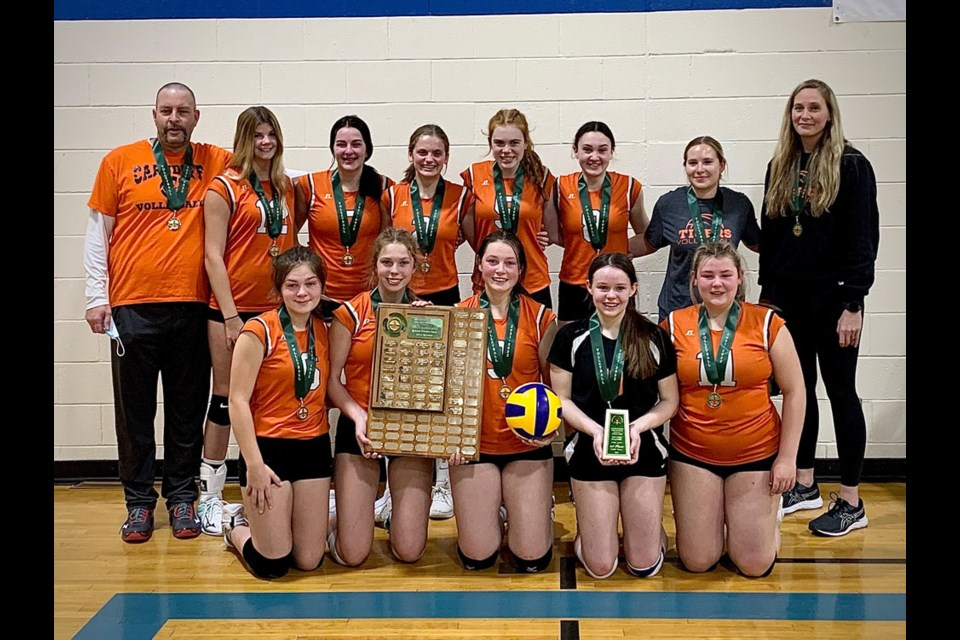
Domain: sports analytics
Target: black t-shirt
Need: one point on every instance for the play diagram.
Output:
(572, 351)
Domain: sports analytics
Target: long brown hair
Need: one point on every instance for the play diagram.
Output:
(636, 331)
(432, 130)
(823, 168)
(392, 235)
(533, 168)
(511, 240)
(243, 147)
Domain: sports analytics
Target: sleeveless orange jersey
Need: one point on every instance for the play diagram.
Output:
(246, 254)
(746, 426)
(443, 264)
(148, 262)
(360, 319)
(274, 402)
(578, 253)
(343, 282)
(478, 179)
(495, 436)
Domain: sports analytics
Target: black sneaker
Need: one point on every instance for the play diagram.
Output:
(801, 497)
(184, 520)
(139, 525)
(840, 519)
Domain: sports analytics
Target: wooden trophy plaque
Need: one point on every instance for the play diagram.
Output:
(426, 391)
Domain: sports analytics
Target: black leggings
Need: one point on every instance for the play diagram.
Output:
(812, 320)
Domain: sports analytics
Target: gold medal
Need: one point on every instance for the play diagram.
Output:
(347, 259)
(797, 229)
(714, 400)
(173, 223)
(425, 265)
(302, 413)
(504, 392)
(274, 251)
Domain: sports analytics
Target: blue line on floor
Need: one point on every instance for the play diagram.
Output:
(135, 616)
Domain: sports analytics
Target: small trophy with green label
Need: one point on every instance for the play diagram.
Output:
(616, 435)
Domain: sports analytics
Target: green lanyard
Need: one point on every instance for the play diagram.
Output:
(176, 197)
(607, 379)
(509, 216)
(376, 298)
(715, 366)
(596, 229)
(502, 360)
(426, 232)
(348, 228)
(272, 208)
(697, 218)
(800, 199)
(303, 368)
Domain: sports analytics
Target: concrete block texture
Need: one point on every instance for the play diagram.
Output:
(136, 41)
(345, 38)
(71, 85)
(430, 37)
(259, 40)
(603, 34)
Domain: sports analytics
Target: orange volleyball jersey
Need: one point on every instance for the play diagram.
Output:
(360, 319)
(578, 253)
(746, 426)
(148, 262)
(495, 436)
(274, 402)
(478, 179)
(443, 265)
(343, 282)
(247, 252)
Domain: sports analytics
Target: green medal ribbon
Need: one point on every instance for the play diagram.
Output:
(348, 228)
(607, 379)
(303, 371)
(273, 208)
(376, 298)
(596, 229)
(509, 217)
(799, 200)
(697, 218)
(715, 366)
(176, 197)
(502, 360)
(426, 232)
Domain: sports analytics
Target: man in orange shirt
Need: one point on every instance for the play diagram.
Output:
(147, 288)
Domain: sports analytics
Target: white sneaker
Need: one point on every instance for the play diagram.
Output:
(210, 512)
(333, 503)
(232, 518)
(382, 509)
(441, 505)
(504, 525)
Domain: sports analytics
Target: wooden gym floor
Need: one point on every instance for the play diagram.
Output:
(846, 588)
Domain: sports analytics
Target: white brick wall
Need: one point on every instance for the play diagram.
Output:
(657, 79)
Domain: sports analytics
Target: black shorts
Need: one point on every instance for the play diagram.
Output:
(651, 459)
(543, 297)
(217, 315)
(573, 302)
(446, 297)
(502, 460)
(724, 470)
(293, 459)
(345, 440)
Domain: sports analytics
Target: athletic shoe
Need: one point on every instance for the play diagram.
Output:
(801, 497)
(232, 518)
(504, 525)
(184, 520)
(138, 526)
(333, 503)
(210, 512)
(441, 505)
(840, 519)
(382, 509)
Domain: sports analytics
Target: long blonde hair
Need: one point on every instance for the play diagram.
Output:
(533, 167)
(243, 147)
(823, 168)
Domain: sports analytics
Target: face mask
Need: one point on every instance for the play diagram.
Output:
(114, 334)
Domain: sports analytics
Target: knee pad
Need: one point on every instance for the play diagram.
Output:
(219, 411)
(477, 565)
(534, 566)
(650, 571)
(266, 568)
(578, 549)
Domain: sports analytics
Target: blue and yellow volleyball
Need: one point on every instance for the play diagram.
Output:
(533, 410)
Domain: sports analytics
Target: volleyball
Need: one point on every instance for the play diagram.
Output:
(533, 410)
